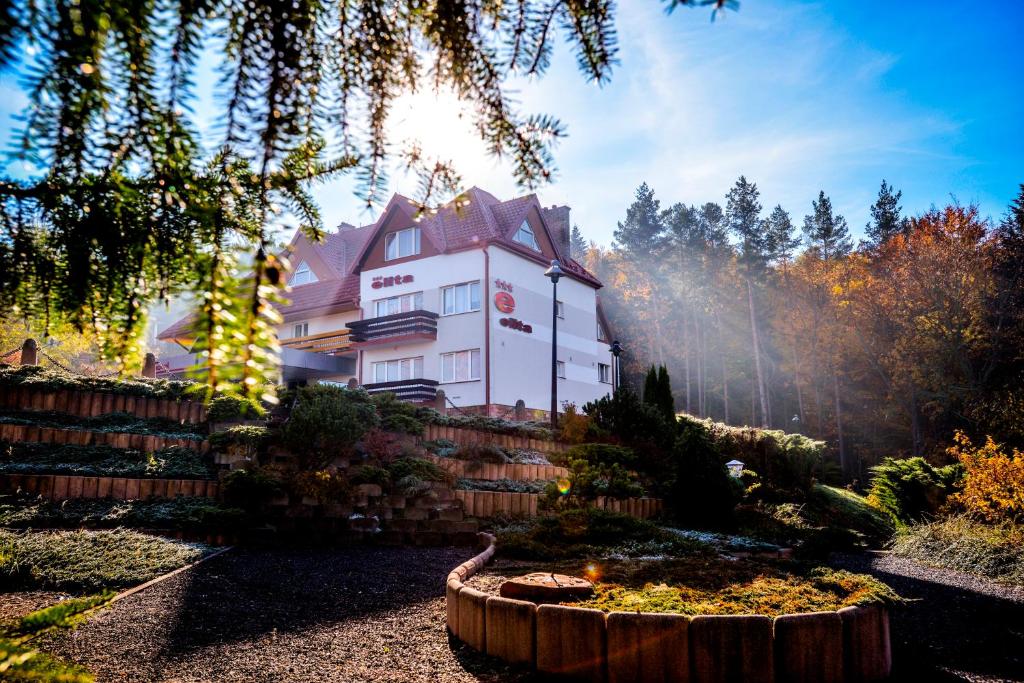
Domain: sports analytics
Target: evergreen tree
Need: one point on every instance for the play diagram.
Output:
(642, 234)
(780, 240)
(713, 227)
(651, 388)
(577, 245)
(666, 402)
(886, 220)
(743, 218)
(827, 234)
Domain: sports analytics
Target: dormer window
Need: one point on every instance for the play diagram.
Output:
(524, 235)
(303, 275)
(401, 244)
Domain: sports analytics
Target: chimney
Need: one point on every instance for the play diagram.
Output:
(558, 220)
(343, 226)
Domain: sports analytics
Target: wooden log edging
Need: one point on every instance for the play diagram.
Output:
(93, 403)
(83, 437)
(469, 469)
(850, 644)
(58, 487)
(474, 437)
(491, 503)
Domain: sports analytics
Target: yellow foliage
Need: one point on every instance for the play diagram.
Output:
(994, 480)
(573, 425)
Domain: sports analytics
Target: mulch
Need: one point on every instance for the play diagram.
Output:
(954, 627)
(17, 604)
(349, 614)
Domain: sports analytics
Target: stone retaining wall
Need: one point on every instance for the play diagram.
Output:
(64, 487)
(93, 403)
(491, 503)
(82, 437)
(473, 437)
(851, 644)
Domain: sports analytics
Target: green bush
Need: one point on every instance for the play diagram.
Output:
(403, 424)
(52, 379)
(623, 417)
(588, 532)
(371, 474)
(249, 440)
(89, 560)
(250, 489)
(173, 462)
(418, 467)
(910, 489)
(230, 408)
(591, 479)
(602, 454)
(700, 493)
(482, 453)
(444, 448)
(326, 423)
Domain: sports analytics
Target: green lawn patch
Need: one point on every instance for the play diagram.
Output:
(173, 462)
(88, 561)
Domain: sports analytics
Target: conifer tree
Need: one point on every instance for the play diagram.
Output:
(886, 219)
(577, 245)
(779, 237)
(642, 234)
(826, 233)
(651, 388)
(666, 402)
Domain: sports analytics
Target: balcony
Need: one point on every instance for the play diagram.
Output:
(397, 328)
(331, 343)
(417, 390)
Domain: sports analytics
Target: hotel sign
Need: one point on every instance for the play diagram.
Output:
(390, 281)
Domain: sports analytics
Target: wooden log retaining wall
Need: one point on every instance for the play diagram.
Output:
(93, 403)
(468, 469)
(491, 503)
(851, 644)
(472, 437)
(78, 437)
(59, 487)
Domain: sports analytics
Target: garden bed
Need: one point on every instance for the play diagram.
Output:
(85, 561)
(199, 515)
(118, 422)
(51, 379)
(174, 462)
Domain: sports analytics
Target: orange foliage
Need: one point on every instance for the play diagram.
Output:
(573, 425)
(993, 482)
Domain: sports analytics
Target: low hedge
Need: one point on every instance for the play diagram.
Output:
(103, 461)
(53, 379)
(502, 485)
(111, 422)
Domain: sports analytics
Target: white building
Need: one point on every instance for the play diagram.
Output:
(455, 299)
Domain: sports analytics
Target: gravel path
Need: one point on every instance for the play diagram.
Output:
(957, 627)
(353, 614)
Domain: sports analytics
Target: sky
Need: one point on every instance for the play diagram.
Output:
(797, 96)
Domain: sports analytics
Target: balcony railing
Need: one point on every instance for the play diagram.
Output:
(396, 328)
(330, 343)
(406, 389)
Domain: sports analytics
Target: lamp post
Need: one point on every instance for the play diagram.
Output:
(616, 349)
(554, 273)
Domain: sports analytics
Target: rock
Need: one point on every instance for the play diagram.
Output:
(545, 587)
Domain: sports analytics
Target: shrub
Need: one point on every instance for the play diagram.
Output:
(418, 467)
(89, 560)
(602, 454)
(371, 474)
(246, 440)
(111, 422)
(993, 483)
(623, 417)
(326, 423)
(250, 489)
(494, 425)
(192, 514)
(589, 481)
(103, 461)
(51, 379)
(573, 426)
(503, 485)
(381, 445)
(444, 448)
(403, 424)
(229, 408)
(481, 453)
(701, 493)
(965, 544)
(908, 489)
(324, 486)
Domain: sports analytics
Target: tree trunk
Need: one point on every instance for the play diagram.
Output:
(686, 357)
(725, 369)
(757, 356)
(915, 424)
(839, 423)
(796, 381)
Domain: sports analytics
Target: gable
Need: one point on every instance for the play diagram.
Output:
(398, 216)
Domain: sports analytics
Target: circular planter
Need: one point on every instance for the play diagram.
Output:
(850, 644)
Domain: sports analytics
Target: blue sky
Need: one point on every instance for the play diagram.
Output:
(798, 96)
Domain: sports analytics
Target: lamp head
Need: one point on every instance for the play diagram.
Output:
(615, 348)
(555, 271)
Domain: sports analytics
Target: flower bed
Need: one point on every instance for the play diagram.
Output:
(590, 645)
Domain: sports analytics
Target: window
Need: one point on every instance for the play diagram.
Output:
(460, 366)
(401, 244)
(303, 275)
(524, 235)
(300, 330)
(398, 370)
(460, 298)
(560, 309)
(399, 304)
(600, 332)
(560, 368)
(604, 373)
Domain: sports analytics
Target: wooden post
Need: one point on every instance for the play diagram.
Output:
(29, 352)
(149, 366)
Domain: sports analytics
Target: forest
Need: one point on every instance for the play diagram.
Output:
(884, 348)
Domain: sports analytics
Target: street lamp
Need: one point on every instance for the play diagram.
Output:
(616, 349)
(554, 273)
